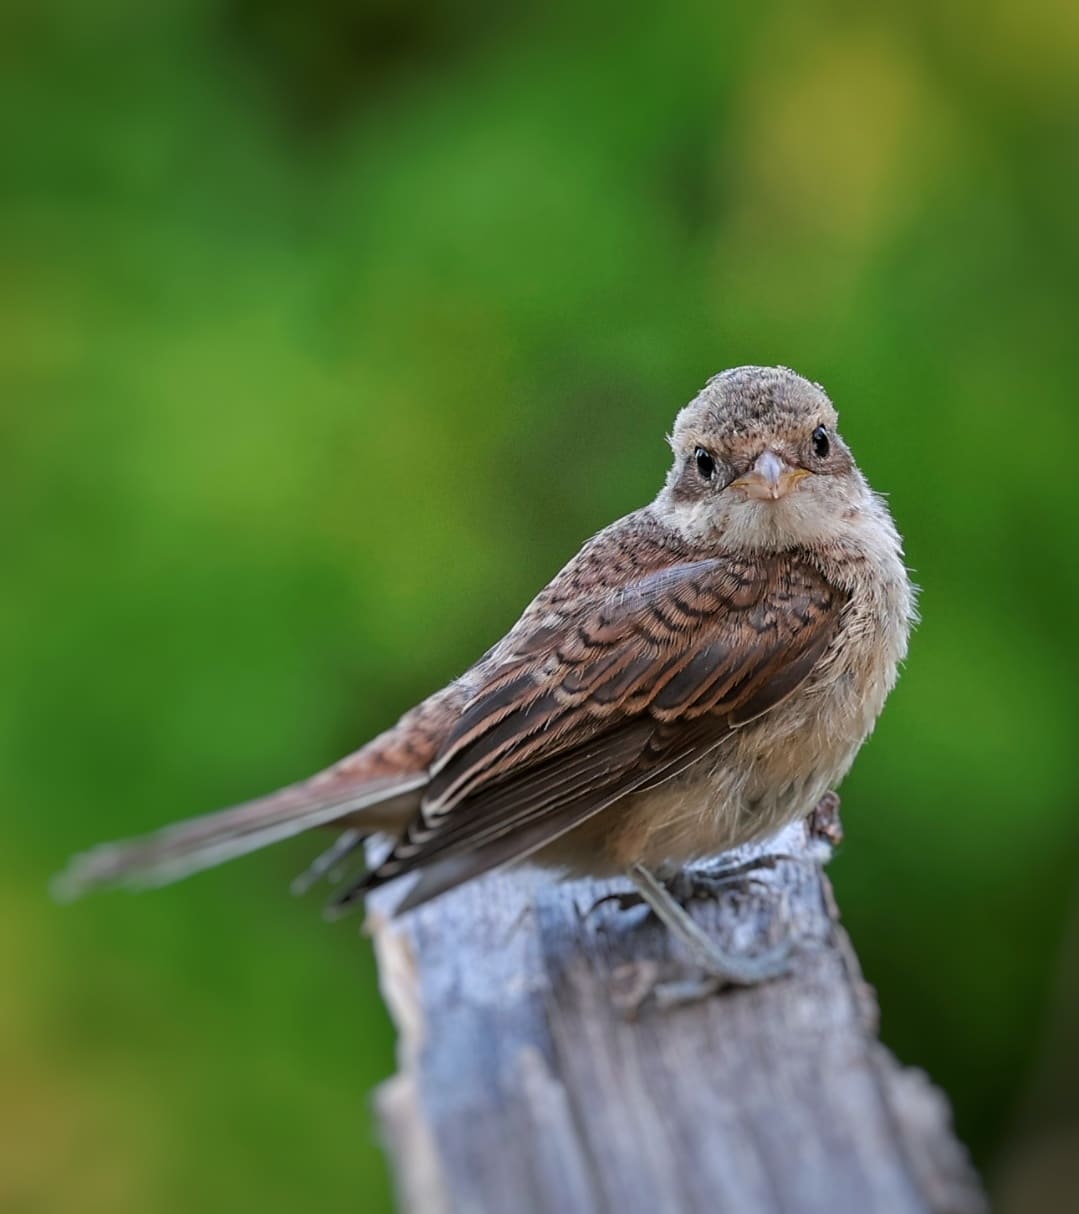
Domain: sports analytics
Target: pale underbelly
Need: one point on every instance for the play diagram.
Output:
(756, 781)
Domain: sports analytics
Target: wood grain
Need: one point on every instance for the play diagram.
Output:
(523, 1088)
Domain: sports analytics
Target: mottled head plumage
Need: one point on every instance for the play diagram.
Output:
(757, 459)
(750, 401)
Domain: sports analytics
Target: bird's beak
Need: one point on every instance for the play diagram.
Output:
(770, 478)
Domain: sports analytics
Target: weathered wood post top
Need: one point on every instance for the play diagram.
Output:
(523, 1087)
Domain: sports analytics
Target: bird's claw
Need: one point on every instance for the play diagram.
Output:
(622, 900)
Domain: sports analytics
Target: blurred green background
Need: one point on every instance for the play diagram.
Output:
(330, 330)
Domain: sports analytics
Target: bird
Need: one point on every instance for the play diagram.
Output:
(702, 673)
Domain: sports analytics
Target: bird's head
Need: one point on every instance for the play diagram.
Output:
(758, 462)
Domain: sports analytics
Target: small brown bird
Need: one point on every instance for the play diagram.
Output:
(699, 675)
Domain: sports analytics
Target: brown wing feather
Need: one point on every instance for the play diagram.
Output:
(698, 638)
(618, 697)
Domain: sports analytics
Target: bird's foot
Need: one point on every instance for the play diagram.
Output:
(707, 880)
(713, 968)
(687, 884)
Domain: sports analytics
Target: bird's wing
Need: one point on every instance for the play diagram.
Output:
(608, 700)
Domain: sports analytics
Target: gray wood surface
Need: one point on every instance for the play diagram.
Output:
(524, 1087)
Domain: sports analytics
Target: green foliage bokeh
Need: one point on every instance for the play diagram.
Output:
(330, 331)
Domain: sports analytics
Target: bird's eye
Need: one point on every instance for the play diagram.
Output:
(706, 463)
(821, 445)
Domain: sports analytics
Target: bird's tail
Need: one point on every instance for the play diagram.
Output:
(188, 847)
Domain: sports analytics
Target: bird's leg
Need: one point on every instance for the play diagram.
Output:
(718, 968)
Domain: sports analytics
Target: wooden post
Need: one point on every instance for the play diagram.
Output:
(523, 1088)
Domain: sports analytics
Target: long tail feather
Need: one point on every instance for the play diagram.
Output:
(188, 847)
